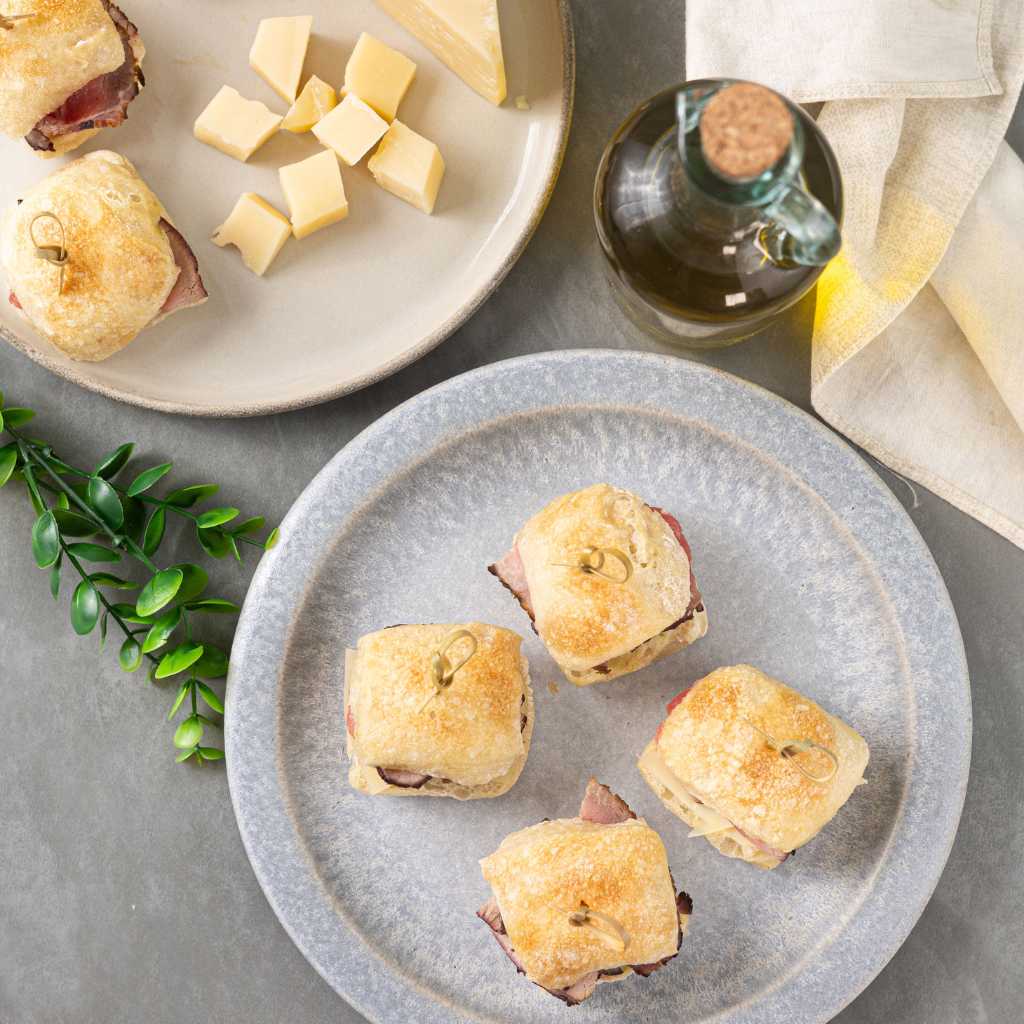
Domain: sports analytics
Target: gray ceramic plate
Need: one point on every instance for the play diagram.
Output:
(810, 569)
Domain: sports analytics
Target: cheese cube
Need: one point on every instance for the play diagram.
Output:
(379, 75)
(351, 129)
(465, 34)
(257, 229)
(316, 100)
(279, 51)
(315, 193)
(235, 125)
(409, 166)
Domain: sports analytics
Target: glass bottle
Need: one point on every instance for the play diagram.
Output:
(717, 206)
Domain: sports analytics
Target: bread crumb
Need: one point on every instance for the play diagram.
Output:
(552, 688)
(522, 103)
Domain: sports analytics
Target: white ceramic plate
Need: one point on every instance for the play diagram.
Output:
(809, 568)
(356, 301)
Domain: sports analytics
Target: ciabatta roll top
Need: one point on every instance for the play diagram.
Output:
(752, 764)
(604, 575)
(580, 900)
(438, 710)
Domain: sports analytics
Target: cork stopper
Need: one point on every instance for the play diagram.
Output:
(744, 130)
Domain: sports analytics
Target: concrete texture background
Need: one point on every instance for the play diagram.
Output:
(125, 894)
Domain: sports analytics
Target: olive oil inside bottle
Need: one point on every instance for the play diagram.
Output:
(685, 268)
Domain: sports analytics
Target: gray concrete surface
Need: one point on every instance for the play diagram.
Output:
(125, 894)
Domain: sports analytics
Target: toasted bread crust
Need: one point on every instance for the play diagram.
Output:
(470, 735)
(121, 267)
(711, 743)
(543, 872)
(585, 619)
(47, 58)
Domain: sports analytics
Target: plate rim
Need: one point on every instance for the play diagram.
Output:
(875, 958)
(425, 344)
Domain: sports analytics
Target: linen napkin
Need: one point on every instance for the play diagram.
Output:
(918, 347)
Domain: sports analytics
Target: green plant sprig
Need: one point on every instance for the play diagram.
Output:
(87, 505)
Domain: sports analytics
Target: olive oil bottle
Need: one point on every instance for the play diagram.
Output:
(717, 206)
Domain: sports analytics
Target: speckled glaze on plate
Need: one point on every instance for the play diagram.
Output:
(357, 301)
(810, 569)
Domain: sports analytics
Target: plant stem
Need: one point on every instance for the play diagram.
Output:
(146, 499)
(118, 540)
(130, 634)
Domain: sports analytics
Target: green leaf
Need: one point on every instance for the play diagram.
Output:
(108, 579)
(85, 608)
(216, 517)
(253, 525)
(210, 697)
(103, 630)
(55, 580)
(147, 478)
(182, 694)
(214, 543)
(186, 497)
(130, 655)
(94, 552)
(45, 540)
(128, 613)
(62, 501)
(134, 517)
(233, 545)
(189, 733)
(113, 463)
(211, 754)
(161, 630)
(15, 416)
(72, 524)
(271, 541)
(212, 665)
(104, 499)
(214, 606)
(193, 583)
(154, 532)
(8, 462)
(184, 656)
(159, 591)
(185, 755)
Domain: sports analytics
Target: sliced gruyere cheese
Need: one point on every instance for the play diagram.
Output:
(315, 193)
(257, 230)
(279, 51)
(352, 129)
(378, 75)
(235, 125)
(315, 102)
(465, 34)
(409, 166)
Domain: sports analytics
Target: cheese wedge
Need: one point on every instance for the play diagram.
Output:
(465, 34)
(257, 230)
(279, 51)
(315, 193)
(235, 125)
(315, 102)
(352, 129)
(378, 75)
(409, 166)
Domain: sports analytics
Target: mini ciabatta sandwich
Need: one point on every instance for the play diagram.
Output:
(68, 69)
(753, 766)
(608, 582)
(585, 900)
(439, 710)
(92, 257)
